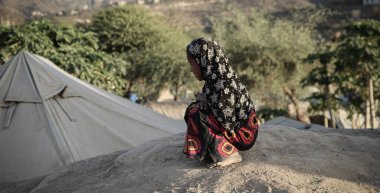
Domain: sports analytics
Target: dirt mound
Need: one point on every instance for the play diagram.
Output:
(283, 159)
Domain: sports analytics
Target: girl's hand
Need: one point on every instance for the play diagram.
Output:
(202, 105)
(201, 97)
(201, 101)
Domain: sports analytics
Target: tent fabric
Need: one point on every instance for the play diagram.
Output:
(287, 122)
(49, 119)
(284, 121)
(30, 84)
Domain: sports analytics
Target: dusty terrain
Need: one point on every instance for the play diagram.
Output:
(284, 159)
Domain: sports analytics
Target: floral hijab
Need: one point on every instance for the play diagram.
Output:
(226, 95)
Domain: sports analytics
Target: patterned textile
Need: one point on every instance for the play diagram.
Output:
(206, 138)
(227, 96)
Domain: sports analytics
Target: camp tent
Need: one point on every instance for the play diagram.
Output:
(284, 121)
(49, 119)
(288, 122)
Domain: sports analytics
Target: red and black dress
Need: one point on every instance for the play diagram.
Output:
(206, 137)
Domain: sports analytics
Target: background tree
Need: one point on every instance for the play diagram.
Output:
(71, 48)
(154, 50)
(322, 77)
(358, 64)
(265, 51)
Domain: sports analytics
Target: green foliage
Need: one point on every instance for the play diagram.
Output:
(320, 102)
(266, 52)
(72, 49)
(267, 113)
(154, 50)
(25, 37)
(347, 66)
(322, 77)
(358, 51)
(95, 67)
(358, 60)
(321, 74)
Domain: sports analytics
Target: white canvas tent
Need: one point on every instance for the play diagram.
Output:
(49, 119)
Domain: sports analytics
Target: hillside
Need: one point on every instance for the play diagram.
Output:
(184, 14)
(284, 159)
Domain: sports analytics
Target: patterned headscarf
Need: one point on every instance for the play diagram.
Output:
(227, 96)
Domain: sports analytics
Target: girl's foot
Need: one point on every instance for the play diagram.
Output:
(234, 158)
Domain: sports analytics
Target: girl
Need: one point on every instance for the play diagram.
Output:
(222, 121)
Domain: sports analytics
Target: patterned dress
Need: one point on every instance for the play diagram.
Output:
(229, 123)
(207, 138)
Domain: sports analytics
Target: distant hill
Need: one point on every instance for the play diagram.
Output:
(182, 13)
(191, 14)
(16, 11)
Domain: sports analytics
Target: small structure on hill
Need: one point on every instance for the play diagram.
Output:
(371, 2)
